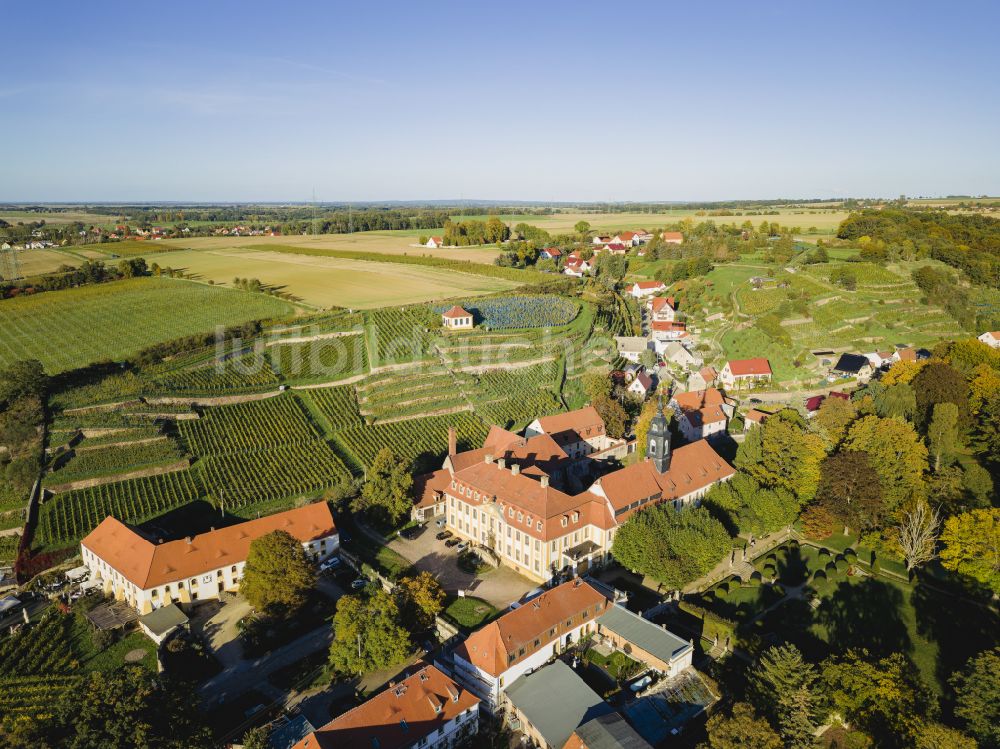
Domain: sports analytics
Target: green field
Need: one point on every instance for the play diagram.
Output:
(72, 328)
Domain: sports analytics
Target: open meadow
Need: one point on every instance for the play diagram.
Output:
(72, 328)
(330, 281)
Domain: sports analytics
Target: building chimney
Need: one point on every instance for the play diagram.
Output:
(489, 458)
(452, 441)
(190, 540)
(545, 481)
(501, 463)
(515, 469)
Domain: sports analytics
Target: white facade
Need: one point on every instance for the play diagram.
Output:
(991, 339)
(489, 688)
(203, 586)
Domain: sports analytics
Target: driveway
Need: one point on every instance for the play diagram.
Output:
(216, 622)
(500, 586)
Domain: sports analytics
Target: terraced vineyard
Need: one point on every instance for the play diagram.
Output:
(322, 360)
(110, 460)
(274, 473)
(399, 335)
(424, 440)
(34, 696)
(251, 371)
(248, 427)
(337, 405)
(66, 518)
(867, 274)
(411, 395)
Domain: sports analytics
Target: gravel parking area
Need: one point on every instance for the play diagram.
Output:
(500, 586)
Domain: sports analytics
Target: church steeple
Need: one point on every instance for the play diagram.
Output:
(658, 440)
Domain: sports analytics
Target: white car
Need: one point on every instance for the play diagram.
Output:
(330, 564)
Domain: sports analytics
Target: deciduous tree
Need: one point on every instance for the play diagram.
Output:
(932, 735)
(420, 599)
(741, 729)
(971, 546)
(781, 453)
(942, 433)
(977, 697)
(897, 455)
(367, 635)
(278, 576)
(613, 414)
(940, 383)
(849, 489)
(386, 493)
(897, 401)
(672, 547)
(833, 418)
(917, 534)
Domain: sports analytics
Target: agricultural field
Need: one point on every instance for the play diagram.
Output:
(324, 282)
(36, 262)
(57, 217)
(244, 427)
(337, 407)
(72, 328)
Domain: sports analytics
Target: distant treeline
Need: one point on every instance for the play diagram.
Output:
(969, 242)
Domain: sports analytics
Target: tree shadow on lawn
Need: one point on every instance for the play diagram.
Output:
(960, 627)
(865, 615)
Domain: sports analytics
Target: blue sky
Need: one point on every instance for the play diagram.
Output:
(509, 101)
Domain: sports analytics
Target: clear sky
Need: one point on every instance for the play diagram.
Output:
(241, 101)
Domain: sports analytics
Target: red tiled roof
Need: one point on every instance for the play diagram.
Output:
(692, 467)
(457, 311)
(708, 374)
(580, 421)
(668, 325)
(398, 717)
(671, 235)
(660, 302)
(650, 284)
(742, 367)
(491, 647)
(147, 565)
(696, 399)
(813, 404)
(756, 416)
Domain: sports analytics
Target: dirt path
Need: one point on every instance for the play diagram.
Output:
(317, 337)
(146, 441)
(101, 480)
(439, 412)
(480, 368)
(221, 400)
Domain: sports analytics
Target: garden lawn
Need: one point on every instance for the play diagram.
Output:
(469, 613)
(113, 321)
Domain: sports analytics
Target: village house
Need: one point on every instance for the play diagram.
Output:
(627, 238)
(426, 710)
(991, 339)
(631, 370)
(754, 417)
(550, 253)
(149, 575)
(641, 386)
(457, 318)
(655, 646)
(879, 359)
(672, 237)
(642, 289)
(614, 248)
(576, 266)
(702, 414)
(703, 378)
(609, 731)
(853, 365)
(814, 403)
(631, 347)
(434, 243)
(602, 239)
(514, 496)
(668, 331)
(745, 372)
(662, 309)
(495, 656)
(676, 354)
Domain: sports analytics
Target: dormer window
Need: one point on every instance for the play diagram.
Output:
(565, 521)
(576, 517)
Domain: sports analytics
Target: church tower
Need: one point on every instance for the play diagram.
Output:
(658, 440)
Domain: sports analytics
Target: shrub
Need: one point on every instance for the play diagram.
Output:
(819, 575)
(770, 570)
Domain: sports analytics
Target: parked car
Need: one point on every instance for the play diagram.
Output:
(443, 535)
(330, 564)
(439, 522)
(452, 542)
(756, 400)
(359, 583)
(463, 546)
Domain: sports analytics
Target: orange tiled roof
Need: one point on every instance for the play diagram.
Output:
(491, 647)
(696, 399)
(692, 468)
(457, 311)
(660, 302)
(650, 284)
(398, 717)
(147, 565)
(742, 367)
(578, 421)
